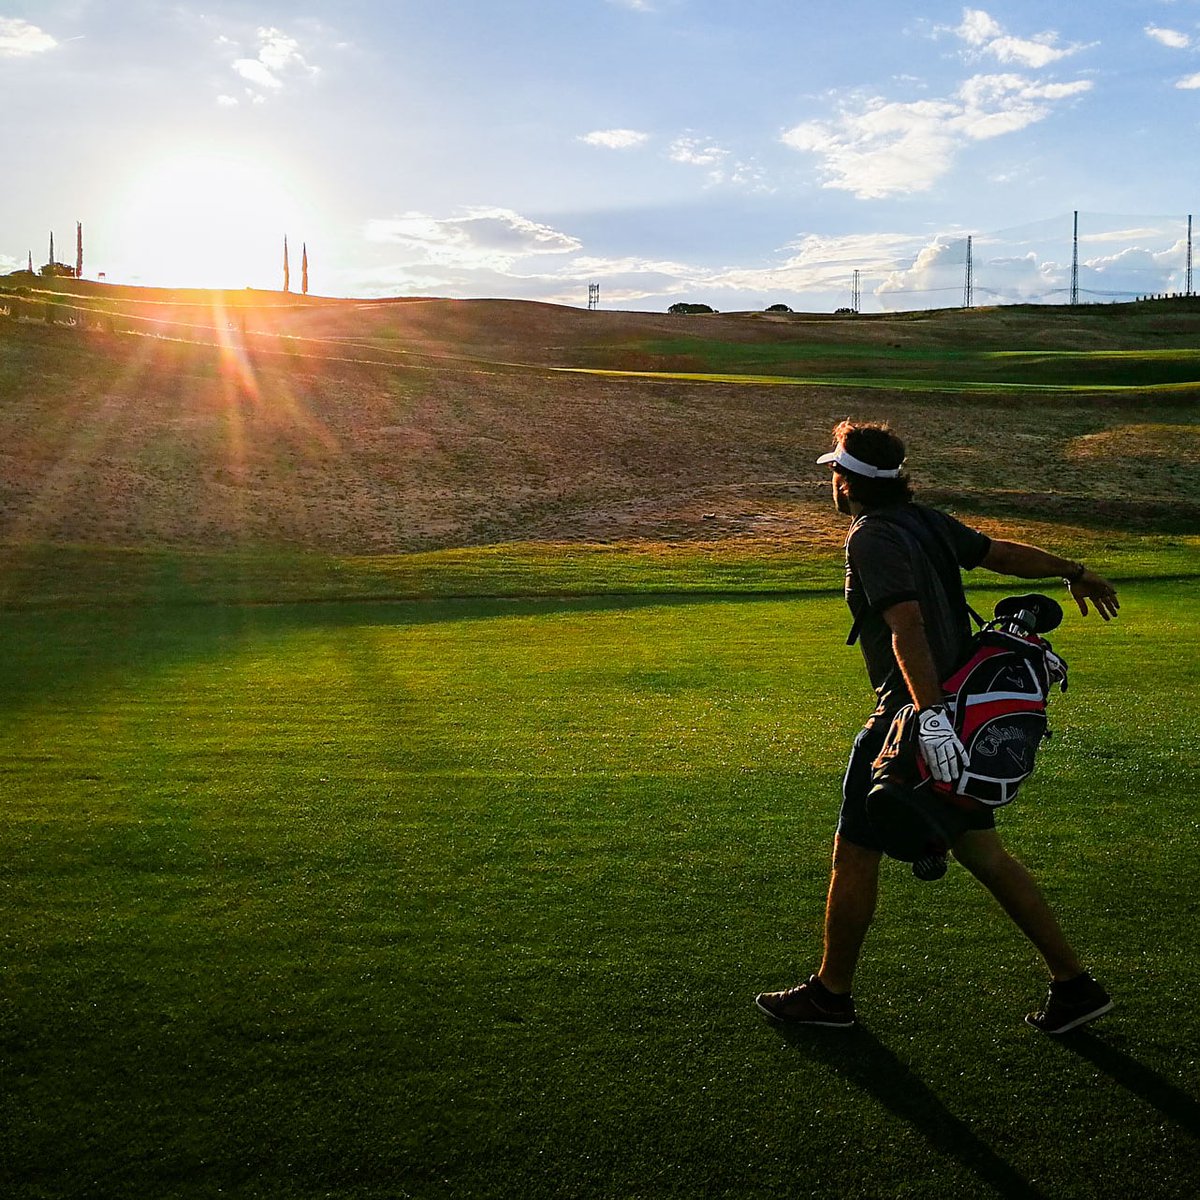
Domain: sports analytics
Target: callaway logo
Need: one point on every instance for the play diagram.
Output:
(996, 739)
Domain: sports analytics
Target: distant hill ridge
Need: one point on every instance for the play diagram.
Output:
(381, 426)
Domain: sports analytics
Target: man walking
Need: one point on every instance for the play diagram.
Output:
(904, 590)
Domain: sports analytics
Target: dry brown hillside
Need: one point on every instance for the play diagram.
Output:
(382, 427)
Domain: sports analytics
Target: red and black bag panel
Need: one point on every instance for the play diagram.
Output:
(998, 701)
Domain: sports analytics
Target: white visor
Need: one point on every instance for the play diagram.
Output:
(849, 463)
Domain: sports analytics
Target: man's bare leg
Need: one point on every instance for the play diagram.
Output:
(981, 852)
(853, 888)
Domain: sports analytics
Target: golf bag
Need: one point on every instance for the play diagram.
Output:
(997, 702)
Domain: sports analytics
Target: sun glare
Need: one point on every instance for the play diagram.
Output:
(212, 220)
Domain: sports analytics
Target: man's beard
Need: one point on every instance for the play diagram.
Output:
(842, 501)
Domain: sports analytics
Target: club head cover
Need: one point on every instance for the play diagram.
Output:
(1047, 612)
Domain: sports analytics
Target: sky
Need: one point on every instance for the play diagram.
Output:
(737, 155)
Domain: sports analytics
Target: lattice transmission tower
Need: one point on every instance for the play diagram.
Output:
(1075, 263)
(855, 293)
(968, 283)
(1188, 286)
(593, 296)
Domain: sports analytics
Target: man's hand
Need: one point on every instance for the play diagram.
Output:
(944, 754)
(1099, 591)
(1032, 562)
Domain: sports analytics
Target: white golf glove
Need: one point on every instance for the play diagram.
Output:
(944, 754)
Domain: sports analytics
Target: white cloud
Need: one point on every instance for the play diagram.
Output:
(279, 59)
(747, 175)
(866, 250)
(1026, 53)
(722, 168)
(813, 136)
(624, 281)
(278, 52)
(977, 28)
(938, 267)
(1155, 266)
(1133, 271)
(585, 266)
(494, 238)
(985, 35)
(937, 274)
(495, 252)
(615, 139)
(1168, 37)
(256, 72)
(696, 152)
(20, 39)
(1128, 235)
(227, 101)
(882, 148)
(1189, 82)
(999, 104)
(819, 263)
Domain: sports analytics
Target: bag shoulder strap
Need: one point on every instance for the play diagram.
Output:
(937, 549)
(949, 571)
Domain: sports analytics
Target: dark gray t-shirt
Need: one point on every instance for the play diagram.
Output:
(909, 552)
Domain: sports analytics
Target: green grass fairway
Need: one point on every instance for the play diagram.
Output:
(1168, 390)
(921, 368)
(471, 898)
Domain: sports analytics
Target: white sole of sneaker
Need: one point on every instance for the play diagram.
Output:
(1075, 1024)
(789, 1024)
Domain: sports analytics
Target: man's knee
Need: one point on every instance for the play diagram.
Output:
(982, 853)
(850, 857)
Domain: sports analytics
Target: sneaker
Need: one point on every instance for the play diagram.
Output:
(809, 1003)
(1070, 1004)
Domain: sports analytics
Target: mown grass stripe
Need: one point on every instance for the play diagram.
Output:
(882, 382)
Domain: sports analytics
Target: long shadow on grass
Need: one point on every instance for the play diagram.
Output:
(48, 653)
(860, 1057)
(1172, 1102)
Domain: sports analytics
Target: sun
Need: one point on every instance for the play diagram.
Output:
(211, 219)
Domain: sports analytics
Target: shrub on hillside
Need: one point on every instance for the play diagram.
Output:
(683, 307)
(779, 308)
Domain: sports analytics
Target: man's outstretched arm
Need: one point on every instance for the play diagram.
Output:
(1031, 562)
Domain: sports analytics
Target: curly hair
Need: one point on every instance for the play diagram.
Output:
(878, 444)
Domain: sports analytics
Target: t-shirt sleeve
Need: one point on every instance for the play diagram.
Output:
(970, 546)
(881, 560)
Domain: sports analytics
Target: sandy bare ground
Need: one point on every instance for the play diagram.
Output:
(336, 440)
